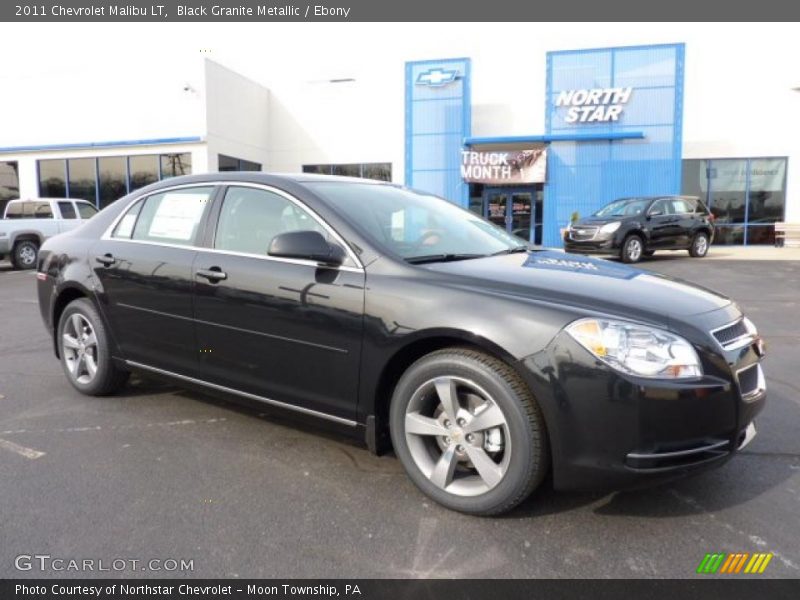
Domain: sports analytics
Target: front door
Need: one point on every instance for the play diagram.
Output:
(512, 209)
(285, 330)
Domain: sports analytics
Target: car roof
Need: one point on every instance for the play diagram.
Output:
(635, 198)
(265, 178)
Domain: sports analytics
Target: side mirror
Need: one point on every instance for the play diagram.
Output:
(308, 245)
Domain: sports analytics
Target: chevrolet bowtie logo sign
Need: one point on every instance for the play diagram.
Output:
(436, 77)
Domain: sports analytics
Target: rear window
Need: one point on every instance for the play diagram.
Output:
(29, 210)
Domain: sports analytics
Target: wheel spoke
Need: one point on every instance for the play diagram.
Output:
(91, 366)
(80, 364)
(489, 471)
(421, 425)
(490, 417)
(69, 341)
(442, 475)
(448, 396)
(77, 325)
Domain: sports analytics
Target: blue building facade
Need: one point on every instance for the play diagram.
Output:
(613, 128)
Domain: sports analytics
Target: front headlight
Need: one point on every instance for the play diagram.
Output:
(610, 227)
(637, 349)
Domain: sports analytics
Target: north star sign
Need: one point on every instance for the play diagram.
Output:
(598, 105)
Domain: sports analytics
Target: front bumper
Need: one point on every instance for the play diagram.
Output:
(609, 430)
(607, 246)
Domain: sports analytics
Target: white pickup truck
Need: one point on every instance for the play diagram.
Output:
(27, 223)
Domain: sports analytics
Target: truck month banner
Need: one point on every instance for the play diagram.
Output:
(516, 166)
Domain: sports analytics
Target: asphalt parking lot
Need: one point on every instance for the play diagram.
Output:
(162, 473)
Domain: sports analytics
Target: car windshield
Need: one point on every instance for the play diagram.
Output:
(417, 226)
(627, 207)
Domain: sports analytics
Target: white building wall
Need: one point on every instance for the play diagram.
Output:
(237, 116)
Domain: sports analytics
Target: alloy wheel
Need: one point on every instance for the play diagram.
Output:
(27, 255)
(80, 348)
(634, 249)
(458, 436)
(700, 245)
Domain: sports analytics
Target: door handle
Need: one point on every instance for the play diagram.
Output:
(106, 260)
(213, 274)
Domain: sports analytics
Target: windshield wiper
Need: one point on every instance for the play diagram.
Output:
(513, 250)
(431, 258)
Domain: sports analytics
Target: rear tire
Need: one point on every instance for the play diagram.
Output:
(25, 254)
(85, 351)
(699, 247)
(468, 432)
(632, 249)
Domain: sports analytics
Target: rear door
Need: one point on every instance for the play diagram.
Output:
(144, 267)
(686, 221)
(282, 329)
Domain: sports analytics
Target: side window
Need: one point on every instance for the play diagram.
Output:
(661, 207)
(14, 211)
(682, 207)
(85, 210)
(124, 228)
(171, 217)
(250, 218)
(42, 210)
(67, 210)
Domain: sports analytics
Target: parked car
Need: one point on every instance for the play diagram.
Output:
(404, 319)
(635, 227)
(28, 223)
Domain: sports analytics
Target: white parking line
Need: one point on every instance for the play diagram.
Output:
(21, 450)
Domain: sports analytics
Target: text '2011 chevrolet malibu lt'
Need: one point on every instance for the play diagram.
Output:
(484, 363)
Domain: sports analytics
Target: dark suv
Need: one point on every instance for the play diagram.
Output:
(634, 227)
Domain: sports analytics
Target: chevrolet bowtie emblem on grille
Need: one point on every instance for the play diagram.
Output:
(436, 77)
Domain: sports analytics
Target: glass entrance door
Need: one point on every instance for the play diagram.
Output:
(512, 209)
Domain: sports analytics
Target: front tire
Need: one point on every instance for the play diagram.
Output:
(468, 432)
(25, 254)
(699, 247)
(85, 351)
(632, 249)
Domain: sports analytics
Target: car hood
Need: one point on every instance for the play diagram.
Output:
(596, 221)
(588, 283)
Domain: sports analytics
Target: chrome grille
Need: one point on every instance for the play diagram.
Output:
(582, 234)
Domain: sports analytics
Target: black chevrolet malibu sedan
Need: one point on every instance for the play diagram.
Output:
(410, 322)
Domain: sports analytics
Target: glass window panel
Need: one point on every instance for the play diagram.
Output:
(250, 218)
(124, 228)
(172, 217)
(144, 170)
(86, 211)
(173, 165)
(246, 165)
(729, 234)
(41, 210)
(113, 172)
(9, 180)
(82, 178)
(767, 191)
(347, 170)
(321, 169)
(694, 180)
(227, 163)
(14, 210)
(52, 178)
(379, 171)
(67, 210)
(727, 181)
(761, 234)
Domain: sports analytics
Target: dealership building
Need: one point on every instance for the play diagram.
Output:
(527, 135)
